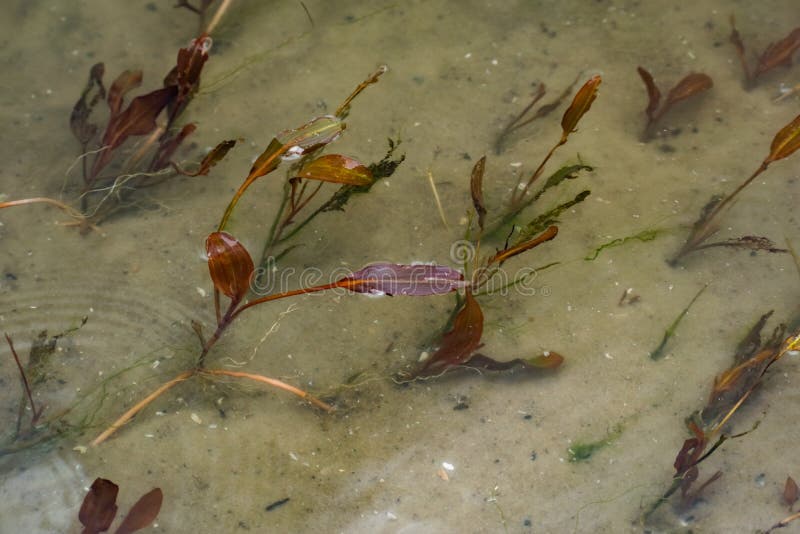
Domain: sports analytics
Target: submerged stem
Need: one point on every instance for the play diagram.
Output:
(139, 406)
(346, 284)
(705, 228)
(272, 382)
(517, 197)
(69, 210)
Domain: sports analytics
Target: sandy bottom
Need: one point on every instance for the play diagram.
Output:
(464, 453)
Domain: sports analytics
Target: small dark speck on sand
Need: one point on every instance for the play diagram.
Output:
(667, 149)
(277, 504)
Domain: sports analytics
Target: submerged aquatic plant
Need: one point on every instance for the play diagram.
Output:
(778, 53)
(46, 424)
(581, 103)
(581, 451)
(690, 85)
(232, 269)
(99, 508)
(658, 352)
(731, 389)
(150, 118)
(527, 116)
(784, 144)
(459, 344)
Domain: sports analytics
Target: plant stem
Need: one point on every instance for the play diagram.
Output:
(234, 309)
(281, 222)
(272, 382)
(139, 406)
(346, 284)
(517, 199)
(69, 210)
(218, 16)
(35, 414)
(783, 522)
(706, 229)
(222, 325)
(727, 200)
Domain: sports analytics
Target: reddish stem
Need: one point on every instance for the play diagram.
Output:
(36, 413)
(233, 311)
(273, 382)
(346, 283)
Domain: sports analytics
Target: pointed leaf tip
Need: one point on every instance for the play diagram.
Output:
(458, 344)
(689, 85)
(337, 169)
(653, 93)
(550, 233)
(547, 360)
(229, 265)
(125, 82)
(143, 513)
(580, 105)
(294, 143)
(786, 142)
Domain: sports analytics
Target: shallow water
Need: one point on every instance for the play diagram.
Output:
(222, 452)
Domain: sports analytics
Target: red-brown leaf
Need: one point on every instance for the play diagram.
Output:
(268, 161)
(790, 492)
(143, 513)
(737, 42)
(191, 61)
(229, 264)
(691, 84)
(501, 256)
(215, 156)
(653, 93)
(580, 105)
(186, 73)
(138, 119)
(779, 53)
(785, 142)
(168, 146)
(290, 144)
(128, 80)
(460, 342)
(337, 169)
(476, 188)
(99, 506)
(84, 130)
(550, 360)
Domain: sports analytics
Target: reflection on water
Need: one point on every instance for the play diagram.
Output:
(471, 452)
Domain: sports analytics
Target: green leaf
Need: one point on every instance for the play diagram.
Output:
(567, 172)
(540, 223)
(658, 353)
(643, 236)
